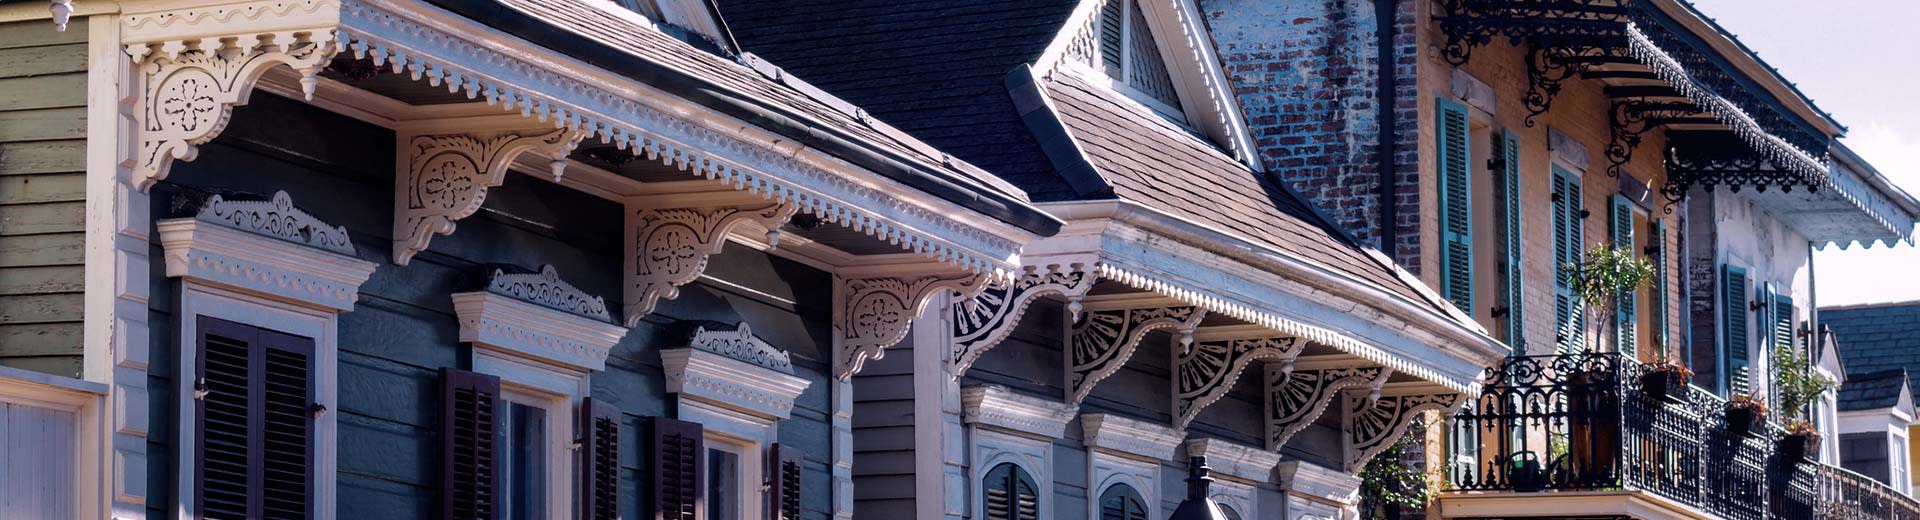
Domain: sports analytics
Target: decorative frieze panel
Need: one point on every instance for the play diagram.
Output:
(1103, 340)
(1204, 371)
(548, 290)
(740, 344)
(199, 63)
(447, 177)
(877, 312)
(1296, 398)
(983, 321)
(1374, 423)
(668, 247)
(540, 317)
(268, 248)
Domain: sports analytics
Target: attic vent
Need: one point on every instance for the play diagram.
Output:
(1129, 55)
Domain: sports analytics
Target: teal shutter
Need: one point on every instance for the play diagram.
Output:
(1781, 330)
(1456, 207)
(1511, 275)
(1625, 326)
(1657, 234)
(1733, 322)
(1569, 325)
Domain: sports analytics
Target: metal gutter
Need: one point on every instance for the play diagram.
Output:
(781, 120)
(1063, 153)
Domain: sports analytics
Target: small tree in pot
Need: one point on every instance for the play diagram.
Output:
(1799, 386)
(1601, 279)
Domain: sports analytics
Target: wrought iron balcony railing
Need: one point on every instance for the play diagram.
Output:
(1584, 422)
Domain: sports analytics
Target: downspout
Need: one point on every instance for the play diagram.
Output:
(1384, 12)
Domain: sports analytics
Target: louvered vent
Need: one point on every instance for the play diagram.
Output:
(469, 458)
(677, 473)
(1011, 494)
(1111, 33)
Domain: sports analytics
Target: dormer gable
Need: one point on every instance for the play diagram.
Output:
(1156, 53)
(692, 21)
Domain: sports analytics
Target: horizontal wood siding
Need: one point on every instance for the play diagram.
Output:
(883, 436)
(43, 86)
(403, 329)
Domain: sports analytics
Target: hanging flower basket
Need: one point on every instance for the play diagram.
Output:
(1744, 413)
(1665, 382)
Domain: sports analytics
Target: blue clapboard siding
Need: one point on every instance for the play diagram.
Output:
(403, 328)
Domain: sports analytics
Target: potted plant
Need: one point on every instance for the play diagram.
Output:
(1798, 386)
(1600, 279)
(1744, 411)
(1664, 379)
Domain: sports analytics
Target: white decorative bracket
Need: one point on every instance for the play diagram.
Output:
(734, 369)
(1206, 370)
(1374, 423)
(1297, 395)
(876, 313)
(445, 177)
(981, 322)
(538, 316)
(198, 63)
(667, 247)
(269, 248)
(1102, 341)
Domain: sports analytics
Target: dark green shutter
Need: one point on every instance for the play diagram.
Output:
(1456, 207)
(1657, 236)
(1511, 274)
(1782, 333)
(1626, 337)
(1733, 323)
(1569, 325)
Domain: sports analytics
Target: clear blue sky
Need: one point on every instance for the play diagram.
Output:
(1857, 59)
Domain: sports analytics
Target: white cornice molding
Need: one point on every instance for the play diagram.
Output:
(728, 382)
(500, 322)
(1128, 436)
(996, 406)
(1312, 480)
(224, 255)
(1232, 460)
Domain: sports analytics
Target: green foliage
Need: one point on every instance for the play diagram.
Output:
(1798, 385)
(1387, 483)
(1603, 275)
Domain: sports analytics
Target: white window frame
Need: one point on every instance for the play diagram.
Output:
(751, 454)
(245, 276)
(81, 399)
(561, 420)
(738, 388)
(1004, 427)
(1126, 451)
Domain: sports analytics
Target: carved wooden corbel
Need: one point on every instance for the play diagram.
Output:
(668, 247)
(1375, 422)
(876, 313)
(446, 178)
(983, 321)
(1206, 370)
(197, 64)
(1297, 395)
(1103, 340)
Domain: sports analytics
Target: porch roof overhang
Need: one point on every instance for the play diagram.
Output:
(1153, 251)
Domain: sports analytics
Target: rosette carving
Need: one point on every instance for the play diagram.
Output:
(447, 177)
(877, 312)
(668, 248)
(193, 84)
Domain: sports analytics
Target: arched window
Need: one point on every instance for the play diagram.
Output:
(1121, 502)
(1011, 494)
(1227, 511)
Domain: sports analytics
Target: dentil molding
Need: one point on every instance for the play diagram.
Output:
(268, 248)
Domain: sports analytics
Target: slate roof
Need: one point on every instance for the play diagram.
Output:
(1149, 160)
(1877, 338)
(623, 41)
(1874, 390)
(935, 68)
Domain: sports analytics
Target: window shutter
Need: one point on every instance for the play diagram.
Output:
(1569, 323)
(1511, 270)
(1733, 320)
(255, 431)
(678, 476)
(599, 460)
(1456, 207)
(783, 481)
(1782, 332)
(1112, 29)
(1011, 494)
(1121, 502)
(1657, 235)
(469, 462)
(1625, 326)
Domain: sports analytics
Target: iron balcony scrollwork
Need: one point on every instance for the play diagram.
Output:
(1710, 159)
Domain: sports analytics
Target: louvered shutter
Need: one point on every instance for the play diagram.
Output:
(1456, 207)
(1121, 502)
(1657, 236)
(1568, 234)
(1733, 322)
(679, 478)
(1511, 269)
(1625, 319)
(599, 460)
(255, 431)
(470, 464)
(784, 482)
(1011, 494)
(1781, 329)
(1112, 36)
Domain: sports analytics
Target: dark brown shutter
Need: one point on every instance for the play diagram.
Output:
(678, 477)
(255, 433)
(600, 460)
(783, 481)
(469, 465)
(1011, 494)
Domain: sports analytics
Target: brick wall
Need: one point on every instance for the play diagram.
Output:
(1305, 75)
